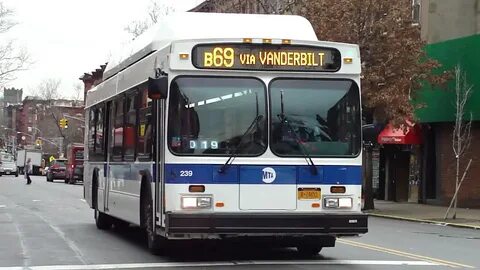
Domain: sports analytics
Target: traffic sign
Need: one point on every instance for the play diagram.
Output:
(51, 158)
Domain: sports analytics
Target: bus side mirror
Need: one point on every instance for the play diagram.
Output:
(158, 87)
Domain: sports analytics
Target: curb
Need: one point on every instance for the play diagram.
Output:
(426, 221)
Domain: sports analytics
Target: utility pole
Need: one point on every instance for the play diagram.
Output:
(61, 149)
(60, 146)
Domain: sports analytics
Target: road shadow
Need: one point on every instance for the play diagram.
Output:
(212, 250)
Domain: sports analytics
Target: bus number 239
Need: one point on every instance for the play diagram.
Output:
(186, 173)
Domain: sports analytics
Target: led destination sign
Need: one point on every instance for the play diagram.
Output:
(266, 57)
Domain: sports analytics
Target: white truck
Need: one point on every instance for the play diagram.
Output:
(34, 155)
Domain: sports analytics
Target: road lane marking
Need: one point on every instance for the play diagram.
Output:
(23, 247)
(217, 264)
(403, 254)
(70, 243)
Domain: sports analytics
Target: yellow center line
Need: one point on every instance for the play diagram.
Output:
(403, 254)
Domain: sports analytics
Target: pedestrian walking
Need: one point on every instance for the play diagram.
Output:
(28, 170)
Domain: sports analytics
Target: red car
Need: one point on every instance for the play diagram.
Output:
(57, 170)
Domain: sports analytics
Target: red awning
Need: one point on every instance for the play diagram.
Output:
(411, 135)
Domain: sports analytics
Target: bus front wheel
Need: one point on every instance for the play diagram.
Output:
(103, 221)
(155, 242)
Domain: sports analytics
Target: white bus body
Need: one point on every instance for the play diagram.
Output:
(192, 195)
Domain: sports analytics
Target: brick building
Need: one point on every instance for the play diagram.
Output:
(11, 97)
(437, 121)
(38, 119)
(92, 79)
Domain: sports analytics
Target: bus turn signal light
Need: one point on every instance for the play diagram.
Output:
(196, 188)
(348, 60)
(337, 189)
(315, 205)
(219, 204)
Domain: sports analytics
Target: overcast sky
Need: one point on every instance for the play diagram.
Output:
(66, 38)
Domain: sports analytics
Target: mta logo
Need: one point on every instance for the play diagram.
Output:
(268, 175)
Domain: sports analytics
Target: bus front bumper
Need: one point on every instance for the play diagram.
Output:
(267, 224)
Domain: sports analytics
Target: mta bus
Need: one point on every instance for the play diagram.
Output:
(228, 127)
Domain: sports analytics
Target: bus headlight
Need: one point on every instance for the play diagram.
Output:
(334, 202)
(196, 202)
(345, 203)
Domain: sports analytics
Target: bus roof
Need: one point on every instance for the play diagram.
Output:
(196, 25)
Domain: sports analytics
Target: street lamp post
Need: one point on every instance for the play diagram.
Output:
(35, 133)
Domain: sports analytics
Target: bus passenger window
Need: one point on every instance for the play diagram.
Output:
(144, 128)
(99, 138)
(91, 133)
(129, 130)
(117, 148)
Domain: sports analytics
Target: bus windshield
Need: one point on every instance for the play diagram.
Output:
(321, 115)
(79, 155)
(210, 115)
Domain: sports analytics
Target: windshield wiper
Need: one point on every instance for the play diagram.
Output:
(238, 147)
(306, 154)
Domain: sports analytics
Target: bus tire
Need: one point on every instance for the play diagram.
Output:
(309, 249)
(154, 241)
(94, 194)
(102, 220)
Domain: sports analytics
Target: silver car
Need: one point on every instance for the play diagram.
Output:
(8, 166)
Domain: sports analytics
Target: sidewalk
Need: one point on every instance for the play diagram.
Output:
(466, 218)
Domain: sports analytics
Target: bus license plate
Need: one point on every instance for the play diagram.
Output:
(309, 194)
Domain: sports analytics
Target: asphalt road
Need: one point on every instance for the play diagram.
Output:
(49, 226)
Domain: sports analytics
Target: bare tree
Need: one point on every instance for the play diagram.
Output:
(461, 132)
(12, 58)
(155, 11)
(77, 92)
(48, 89)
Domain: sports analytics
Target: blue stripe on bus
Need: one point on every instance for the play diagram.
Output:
(253, 174)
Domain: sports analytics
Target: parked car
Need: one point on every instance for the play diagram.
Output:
(8, 166)
(44, 171)
(57, 170)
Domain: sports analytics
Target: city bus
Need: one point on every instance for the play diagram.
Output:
(228, 127)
